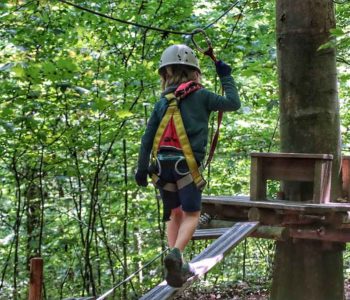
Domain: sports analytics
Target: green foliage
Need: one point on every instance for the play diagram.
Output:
(75, 88)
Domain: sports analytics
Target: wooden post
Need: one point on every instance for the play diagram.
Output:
(322, 181)
(346, 176)
(36, 279)
(257, 179)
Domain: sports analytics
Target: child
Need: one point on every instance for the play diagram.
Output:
(172, 170)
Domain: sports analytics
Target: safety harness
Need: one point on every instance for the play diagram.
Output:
(171, 133)
(166, 136)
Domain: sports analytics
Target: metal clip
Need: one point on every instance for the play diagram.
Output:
(209, 51)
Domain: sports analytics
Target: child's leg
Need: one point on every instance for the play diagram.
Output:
(173, 225)
(186, 229)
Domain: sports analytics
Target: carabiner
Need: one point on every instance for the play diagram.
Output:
(209, 51)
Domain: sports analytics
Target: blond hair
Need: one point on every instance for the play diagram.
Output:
(177, 74)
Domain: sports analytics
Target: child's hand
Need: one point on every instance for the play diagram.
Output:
(222, 69)
(141, 178)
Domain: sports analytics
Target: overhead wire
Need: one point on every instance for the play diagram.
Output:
(162, 30)
(18, 8)
(240, 16)
(222, 15)
(166, 31)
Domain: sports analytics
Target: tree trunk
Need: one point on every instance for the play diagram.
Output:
(309, 124)
(33, 221)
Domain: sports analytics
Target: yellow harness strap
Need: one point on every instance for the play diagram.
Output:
(173, 111)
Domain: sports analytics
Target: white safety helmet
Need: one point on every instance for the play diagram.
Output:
(179, 55)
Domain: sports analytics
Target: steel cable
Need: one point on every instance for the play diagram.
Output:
(164, 31)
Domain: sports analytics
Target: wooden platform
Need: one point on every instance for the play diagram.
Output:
(326, 222)
(206, 260)
(282, 234)
(245, 201)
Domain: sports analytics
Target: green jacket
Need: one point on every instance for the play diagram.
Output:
(195, 111)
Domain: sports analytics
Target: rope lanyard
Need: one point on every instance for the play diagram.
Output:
(209, 52)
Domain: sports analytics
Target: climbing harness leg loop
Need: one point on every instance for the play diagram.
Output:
(166, 186)
(177, 167)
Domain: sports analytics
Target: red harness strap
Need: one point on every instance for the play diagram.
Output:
(214, 141)
(170, 139)
(186, 88)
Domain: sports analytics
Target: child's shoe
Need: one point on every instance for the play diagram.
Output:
(173, 268)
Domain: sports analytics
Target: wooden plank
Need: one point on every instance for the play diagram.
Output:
(289, 169)
(267, 232)
(244, 201)
(36, 278)
(293, 155)
(206, 260)
(321, 233)
(346, 176)
(265, 216)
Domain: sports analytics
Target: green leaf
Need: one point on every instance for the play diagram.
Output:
(123, 114)
(337, 32)
(19, 71)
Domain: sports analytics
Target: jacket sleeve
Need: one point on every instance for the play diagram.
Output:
(230, 101)
(147, 141)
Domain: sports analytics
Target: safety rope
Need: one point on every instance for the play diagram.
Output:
(209, 52)
(131, 276)
(165, 31)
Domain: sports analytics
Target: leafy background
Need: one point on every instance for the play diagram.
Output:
(75, 94)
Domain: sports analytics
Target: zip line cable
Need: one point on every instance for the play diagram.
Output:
(240, 16)
(165, 31)
(131, 276)
(224, 14)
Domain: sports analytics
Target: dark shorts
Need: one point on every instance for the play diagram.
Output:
(189, 197)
